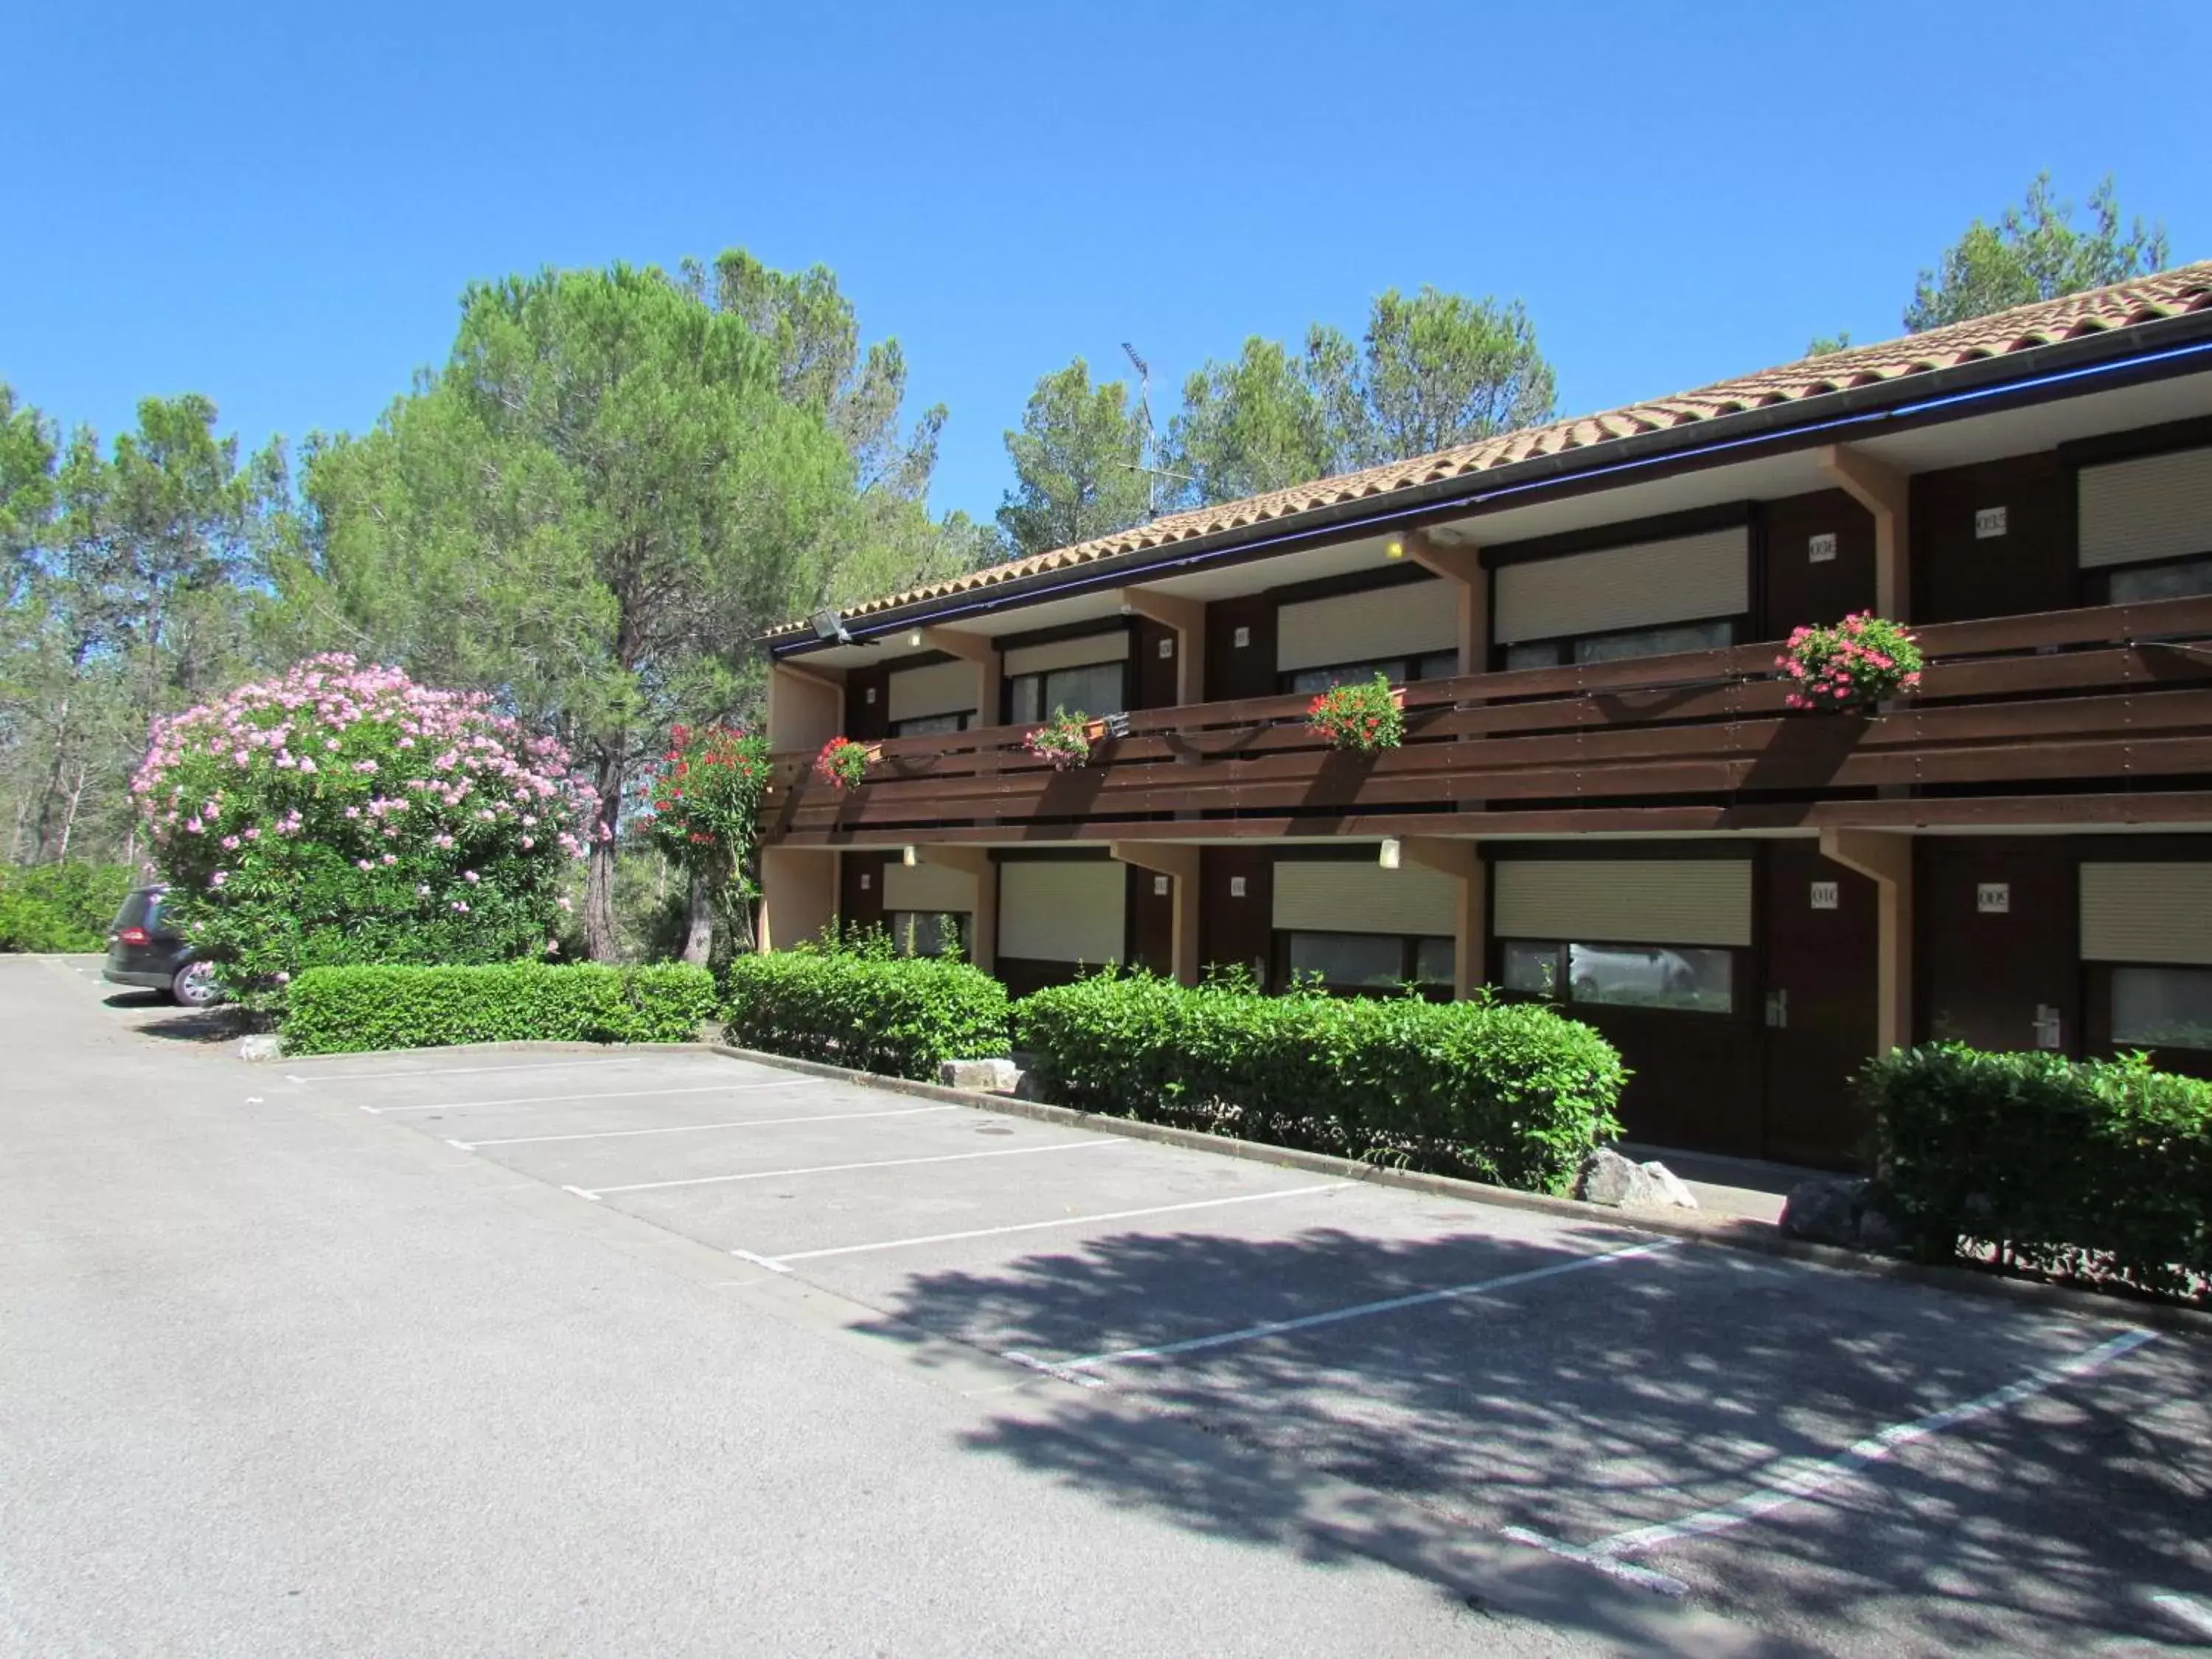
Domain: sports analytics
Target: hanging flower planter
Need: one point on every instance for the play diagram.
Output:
(843, 763)
(1106, 726)
(1364, 718)
(1851, 665)
(1065, 740)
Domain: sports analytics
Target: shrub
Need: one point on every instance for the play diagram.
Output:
(2099, 1170)
(705, 797)
(1064, 740)
(1361, 717)
(857, 1004)
(345, 1010)
(1852, 666)
(60, 907)
(1511, 1093)
(345, 814)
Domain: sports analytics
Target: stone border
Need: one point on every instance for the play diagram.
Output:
(1757, 1238)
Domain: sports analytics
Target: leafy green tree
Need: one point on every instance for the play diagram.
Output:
(592, 510)
(1436, 370)
(2035, 252)
(882, 539)
(1432, 371)
(1078, 461)
(1251, 425)
(1826, 345)
(27, 454)
(129, 587)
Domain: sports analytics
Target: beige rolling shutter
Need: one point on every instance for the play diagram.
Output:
(2147, 913)
(1341, 898)
(1062, 911)
(2156, 506)
(942, 688)
(933, 889)
(1399, 621)
(1628, 900)
(1078, 652)
(1681, 579)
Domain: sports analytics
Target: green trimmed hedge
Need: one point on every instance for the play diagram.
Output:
(2099, 1170)
(60, 907)
(865, 1008)
(343, 1010)
(1506, 1092)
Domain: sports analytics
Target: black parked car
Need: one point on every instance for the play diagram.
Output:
(142, 951)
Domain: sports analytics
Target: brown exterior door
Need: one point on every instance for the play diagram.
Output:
(1696, 1085)
(1819, 562)
(1821, 925)
(1999, 932)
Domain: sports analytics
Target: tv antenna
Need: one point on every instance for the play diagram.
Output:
(1147, 450)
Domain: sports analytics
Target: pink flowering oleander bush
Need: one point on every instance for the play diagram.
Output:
(1851, 664)
(344, 815)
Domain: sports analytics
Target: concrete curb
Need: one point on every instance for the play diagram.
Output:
(1757, 1238)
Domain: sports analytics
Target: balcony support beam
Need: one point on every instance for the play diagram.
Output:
(1187, 618)
(1886, 858)
(1886, 492)
(983, 652)
(1462, 860)
(1460, 564)
(1180, 865)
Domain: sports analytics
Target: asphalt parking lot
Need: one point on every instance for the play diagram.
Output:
(1871, 1467)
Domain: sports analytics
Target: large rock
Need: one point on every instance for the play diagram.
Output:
(1824, 1212)
(1607, 1178)
(1672, 1187)
(1879, 1231)
(997, 1076)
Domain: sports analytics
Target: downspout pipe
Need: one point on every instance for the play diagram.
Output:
(1746, 430)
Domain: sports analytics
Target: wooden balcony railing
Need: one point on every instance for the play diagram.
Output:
(2115, 698)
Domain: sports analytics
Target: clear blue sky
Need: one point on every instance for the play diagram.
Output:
(277, 206)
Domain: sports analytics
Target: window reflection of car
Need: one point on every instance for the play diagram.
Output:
(1603, 972)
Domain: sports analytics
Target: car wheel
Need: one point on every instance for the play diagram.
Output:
(194, 985)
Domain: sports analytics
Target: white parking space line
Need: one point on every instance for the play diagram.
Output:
(1358, 1310)
(606, 1094)
(472, 1071)
(1627, 1571)
(694, 1128)
(1038, 1226)
(1103, 1144)
(2187, 1611)
(1801, 1484)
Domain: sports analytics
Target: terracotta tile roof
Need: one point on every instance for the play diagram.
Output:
(2169, 293)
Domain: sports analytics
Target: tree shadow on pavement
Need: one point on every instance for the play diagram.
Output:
(156, 1016)
(1622, 1395)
